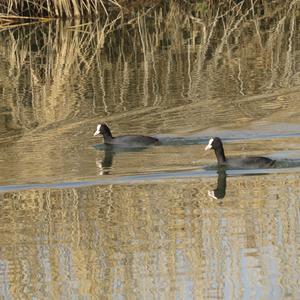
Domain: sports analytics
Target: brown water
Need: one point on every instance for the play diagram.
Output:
(78, 221)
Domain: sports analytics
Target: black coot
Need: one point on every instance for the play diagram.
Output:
(125, 140)
(246, 162)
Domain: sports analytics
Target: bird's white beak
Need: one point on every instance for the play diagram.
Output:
(97, 130)
(209, 145)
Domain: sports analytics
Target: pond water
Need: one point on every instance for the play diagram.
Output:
(80, 221)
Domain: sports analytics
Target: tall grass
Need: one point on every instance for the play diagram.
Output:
(56, 8)
(67, 8)
(88, 8)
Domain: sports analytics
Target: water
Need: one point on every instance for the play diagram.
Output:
(80, 220)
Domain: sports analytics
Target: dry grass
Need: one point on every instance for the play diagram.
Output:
(92, 8)
(57, 8)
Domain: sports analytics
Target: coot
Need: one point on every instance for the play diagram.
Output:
(246, 162)
(125, 140)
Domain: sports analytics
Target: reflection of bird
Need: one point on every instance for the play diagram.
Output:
(107, 160)
(125, 140)
(220, 191)
(247, 162)
(109, 152)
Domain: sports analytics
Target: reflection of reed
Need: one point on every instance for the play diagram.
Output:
(91, 238)
(106, 163)
(220, 191)
(44, 86)
(50, 67)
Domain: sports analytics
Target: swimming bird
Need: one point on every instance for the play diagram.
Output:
(125, 140)
(216, 144)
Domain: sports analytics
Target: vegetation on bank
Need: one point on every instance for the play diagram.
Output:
(93, 8)
(119, 12)
(69, 8)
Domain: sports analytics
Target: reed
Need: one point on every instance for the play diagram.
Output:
(54, 8)
(91, 8)
(13, 10)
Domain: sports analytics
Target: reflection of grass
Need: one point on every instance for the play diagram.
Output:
(41, 66)
(38, 69)
(99, 234)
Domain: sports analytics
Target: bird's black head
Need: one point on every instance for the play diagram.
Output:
(102, 129)
(214, 143)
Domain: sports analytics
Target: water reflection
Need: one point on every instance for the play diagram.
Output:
(282, 165)
(61, 78)
(164, 238)
(105, 164)
(103, 76)
(220, 191)
(76, 234)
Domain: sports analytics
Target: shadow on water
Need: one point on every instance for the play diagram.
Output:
(110, 151)
(220, 191)
(163, 141)
(182, 141)
(284, 166)
(119, 148)
(105, 164)
(279, 164)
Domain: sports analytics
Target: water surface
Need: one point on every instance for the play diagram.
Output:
(82, 221)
